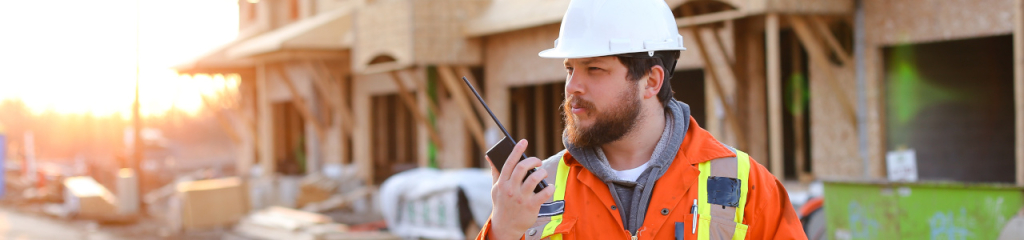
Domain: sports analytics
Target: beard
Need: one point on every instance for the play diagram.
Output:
(609, 124)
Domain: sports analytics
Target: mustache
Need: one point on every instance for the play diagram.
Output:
(571, 101)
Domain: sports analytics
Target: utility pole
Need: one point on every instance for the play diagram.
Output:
(137, 146)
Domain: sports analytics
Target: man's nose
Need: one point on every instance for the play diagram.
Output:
(574, 84)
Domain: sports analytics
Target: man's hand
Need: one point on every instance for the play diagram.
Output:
(515, 205)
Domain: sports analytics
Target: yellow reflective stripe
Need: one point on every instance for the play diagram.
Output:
(561, 176)
(740, 233)
(555, 237)
(703, 208)
(704, 227)
(742, 172)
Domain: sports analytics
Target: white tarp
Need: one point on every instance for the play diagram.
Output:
(423, 202)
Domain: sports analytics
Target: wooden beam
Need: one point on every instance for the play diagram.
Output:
(480, 111)
(703, 19)
(329, 90)
(348, 120)
(300, 103)
(716, 83)
(818, 22)
(817, 55)
(774, 95)
(322, 88)
(421, 85)
(222, 120)
(459, 95)
(1018, 86)
(410, 102)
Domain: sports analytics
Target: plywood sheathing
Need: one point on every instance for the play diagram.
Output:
(894, 22)
(437, 28)
(833, 117)
(383, 28)
(416, 32)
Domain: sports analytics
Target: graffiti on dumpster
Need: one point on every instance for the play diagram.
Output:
(861, 226)
(947, 225)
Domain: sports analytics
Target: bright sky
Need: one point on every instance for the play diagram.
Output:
(75, 56)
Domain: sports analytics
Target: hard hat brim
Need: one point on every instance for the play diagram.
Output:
(559, 53)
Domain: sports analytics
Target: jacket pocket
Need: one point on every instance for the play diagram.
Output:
(552, 227)
(723, 229)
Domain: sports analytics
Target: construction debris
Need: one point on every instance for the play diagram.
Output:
(86, 198)
(285, 223)
(210, 203)
(433, 204)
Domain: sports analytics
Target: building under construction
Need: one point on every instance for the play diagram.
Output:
(814, 90)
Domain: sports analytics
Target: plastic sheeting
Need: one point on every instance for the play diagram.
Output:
(423, 202)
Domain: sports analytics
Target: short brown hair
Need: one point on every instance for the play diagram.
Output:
(639, 65)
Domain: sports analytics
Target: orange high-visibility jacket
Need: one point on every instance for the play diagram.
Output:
(589, 211)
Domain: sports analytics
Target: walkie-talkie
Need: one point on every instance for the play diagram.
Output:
(501, 150)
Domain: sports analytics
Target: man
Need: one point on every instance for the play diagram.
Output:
(636, 165)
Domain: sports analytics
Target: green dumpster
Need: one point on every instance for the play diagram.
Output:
(879, 210)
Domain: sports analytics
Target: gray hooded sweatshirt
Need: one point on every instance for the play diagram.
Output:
(632, 197)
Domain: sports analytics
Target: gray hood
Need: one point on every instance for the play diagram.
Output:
(633, 197)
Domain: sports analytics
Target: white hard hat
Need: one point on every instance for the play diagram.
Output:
(592, 28)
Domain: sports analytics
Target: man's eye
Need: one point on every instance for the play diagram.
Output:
(568, 69)
(594, 68)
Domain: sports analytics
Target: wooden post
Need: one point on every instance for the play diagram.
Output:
(264, 123)
(459, 96)
(410, 103)
(1018, 85)
(774, 94)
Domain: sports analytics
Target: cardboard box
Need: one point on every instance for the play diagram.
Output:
(88, 199)
(212, 203)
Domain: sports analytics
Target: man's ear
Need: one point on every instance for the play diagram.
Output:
(652, 85)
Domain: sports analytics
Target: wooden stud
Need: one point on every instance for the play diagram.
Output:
(459, 96)
(774, 94)
(716, 83)
(264, 122)
(817, 54)
(798, 116)
(540, 120)
(1018, 86)
(818, 23)
(556, 94)
(300, 104)
(410, 103)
